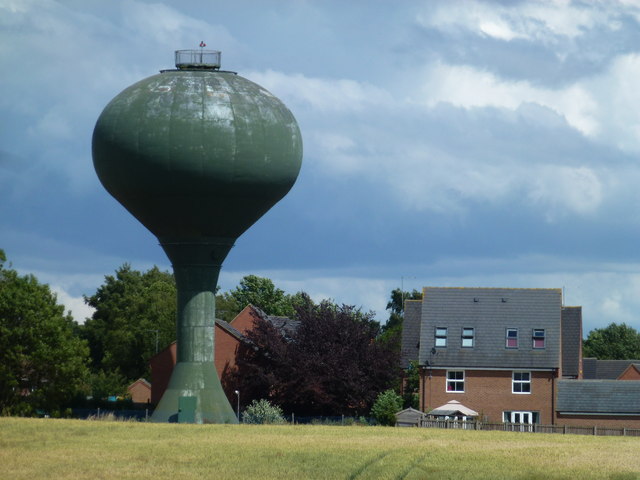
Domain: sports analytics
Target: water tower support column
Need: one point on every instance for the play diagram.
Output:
(196, 266)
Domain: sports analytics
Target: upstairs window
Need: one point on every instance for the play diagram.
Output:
(467, 337)
(455, 381)
(521, 382)
(441, 337)
(512, 338)
(538, 338)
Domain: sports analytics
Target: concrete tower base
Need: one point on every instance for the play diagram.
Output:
(194, 395)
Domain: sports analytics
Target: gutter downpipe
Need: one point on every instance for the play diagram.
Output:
(553, 396)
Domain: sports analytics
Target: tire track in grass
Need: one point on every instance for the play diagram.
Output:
(415, 464)
(366, 465)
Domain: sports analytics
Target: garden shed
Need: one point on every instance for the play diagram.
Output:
(409, 417)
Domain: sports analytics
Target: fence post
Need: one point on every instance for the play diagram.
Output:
(564, 429)
(293, 418)
(595, 430)
(146, 414)
(624, 431)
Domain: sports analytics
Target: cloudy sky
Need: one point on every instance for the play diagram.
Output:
(446, 143)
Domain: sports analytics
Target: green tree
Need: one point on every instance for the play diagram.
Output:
(330, 363)
(262, 412)
(43, 365)
(391, 332)
(259, 292)
(412, 385)
(135, 313)
(395, 306)
(384, 409)
(105, 384)
(614, 342)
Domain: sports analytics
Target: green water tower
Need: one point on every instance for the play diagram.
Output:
(197, 155)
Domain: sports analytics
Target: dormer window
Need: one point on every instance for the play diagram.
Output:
(538, 338)
(467, 337)
(512, 338)
(441, 337)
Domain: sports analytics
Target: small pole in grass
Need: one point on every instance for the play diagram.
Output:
(237, 392)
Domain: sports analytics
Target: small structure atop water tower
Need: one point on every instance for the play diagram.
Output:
(197, 155)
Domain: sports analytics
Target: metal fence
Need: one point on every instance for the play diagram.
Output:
(529, 428)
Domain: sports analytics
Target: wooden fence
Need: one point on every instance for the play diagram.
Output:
(528, 428)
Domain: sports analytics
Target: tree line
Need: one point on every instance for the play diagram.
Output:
(337, 360)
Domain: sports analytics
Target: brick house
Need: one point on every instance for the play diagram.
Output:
(498, 351)
(515, 355)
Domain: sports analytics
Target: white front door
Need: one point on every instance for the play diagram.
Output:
(521, 417)
(525, 418)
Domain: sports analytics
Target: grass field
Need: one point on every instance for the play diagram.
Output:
(77, 449)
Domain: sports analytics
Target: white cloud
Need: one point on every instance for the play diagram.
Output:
(468, 87)
(565, 189)
(618, 101)
(76, 305)
(424, 174)
(169, 29)
(542, 21)
(323, 95)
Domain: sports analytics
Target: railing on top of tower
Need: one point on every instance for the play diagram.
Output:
(198, 59)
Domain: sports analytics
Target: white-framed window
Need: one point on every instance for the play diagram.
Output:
(441, 337)
(468, 337)
(521, 382)
(538, 338)
(455, 381)
(512, 338)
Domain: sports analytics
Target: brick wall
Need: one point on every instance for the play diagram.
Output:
(599, 421)
(631, 373)
(226, 349)
(140, 392)
(243, 322)
(489, 393)
(161, 367)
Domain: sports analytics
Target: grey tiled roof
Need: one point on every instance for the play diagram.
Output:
(594, 369)
(571, 340)
(490, 311)
(410, 348)
(599, 396)
(589, 368)
(226, 326)
(284, 325)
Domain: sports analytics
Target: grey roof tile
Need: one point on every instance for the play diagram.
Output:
(571, 340)
(232, 331)
(490, 311)
(599, 396)
(410, 348)
(594, 369)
